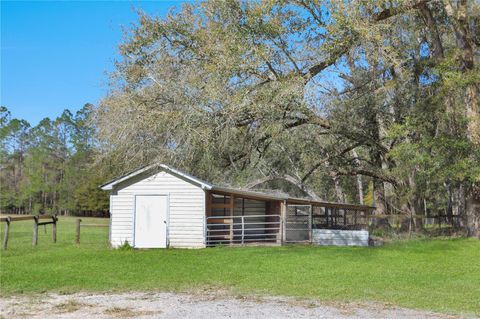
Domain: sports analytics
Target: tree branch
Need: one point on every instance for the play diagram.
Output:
(345, 45)
(288, 178)
(390, 12)
(331, 60)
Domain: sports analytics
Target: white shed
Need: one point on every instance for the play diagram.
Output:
(158, 207)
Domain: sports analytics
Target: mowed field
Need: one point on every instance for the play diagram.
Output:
(441, 275)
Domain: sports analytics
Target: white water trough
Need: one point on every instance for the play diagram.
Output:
(336, 237)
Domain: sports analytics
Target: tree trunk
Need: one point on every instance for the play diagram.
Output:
(472, 202)
(449, 208)
(467, 46)
(472, 212)
(416, 203)
(378, 185)
(473, 114)
(338, 188)
(359, 180)
(379, 203)
(288, 178)
(435, 35)
(379, 197)
(458, 204)
(360, 189)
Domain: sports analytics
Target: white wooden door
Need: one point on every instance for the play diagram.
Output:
(151, 221)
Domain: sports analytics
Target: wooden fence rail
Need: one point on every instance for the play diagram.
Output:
(36, 222)
(78, 225)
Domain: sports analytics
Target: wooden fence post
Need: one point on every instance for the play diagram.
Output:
(77, 232)
(310, 224)
(7, 228)
(35, 231)
(54, 228)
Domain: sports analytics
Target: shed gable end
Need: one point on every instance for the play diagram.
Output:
(186, 216)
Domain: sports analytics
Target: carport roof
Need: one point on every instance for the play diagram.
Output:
(246, 193)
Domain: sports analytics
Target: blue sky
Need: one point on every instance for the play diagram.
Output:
(56, 55)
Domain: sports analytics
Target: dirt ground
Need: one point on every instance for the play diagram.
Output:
(193, 305)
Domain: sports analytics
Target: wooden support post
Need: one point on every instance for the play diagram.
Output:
(224, 202)
(355, 218)
(208, 213)
(7, 229)
(35, 231)
(310, 221)
(328, 217)
(231, 208)
(208, 204)
(283, 219)
(243, 228)
(54, 228)
(77, 231)
(276, 210)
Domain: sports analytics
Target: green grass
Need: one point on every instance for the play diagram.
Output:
(440, 275)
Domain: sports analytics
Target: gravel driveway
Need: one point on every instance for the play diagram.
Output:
(196, 305)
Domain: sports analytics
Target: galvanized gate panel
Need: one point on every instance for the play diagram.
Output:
(298, 223)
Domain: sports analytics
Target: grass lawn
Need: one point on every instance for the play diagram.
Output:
(439, 275)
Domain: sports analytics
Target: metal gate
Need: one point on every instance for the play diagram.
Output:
(228, 230)
(298, 223)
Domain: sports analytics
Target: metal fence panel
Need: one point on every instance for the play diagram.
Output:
(227, 230)
(298, 223)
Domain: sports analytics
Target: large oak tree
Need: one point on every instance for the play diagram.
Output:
(323, 97)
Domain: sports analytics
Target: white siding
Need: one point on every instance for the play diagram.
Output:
(186, 209)
(121, 212)
(336, 237)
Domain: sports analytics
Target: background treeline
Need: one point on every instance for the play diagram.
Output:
(49, 168)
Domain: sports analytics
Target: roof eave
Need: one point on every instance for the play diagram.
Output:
(202, 184)
(248, 193)
(109, 185)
